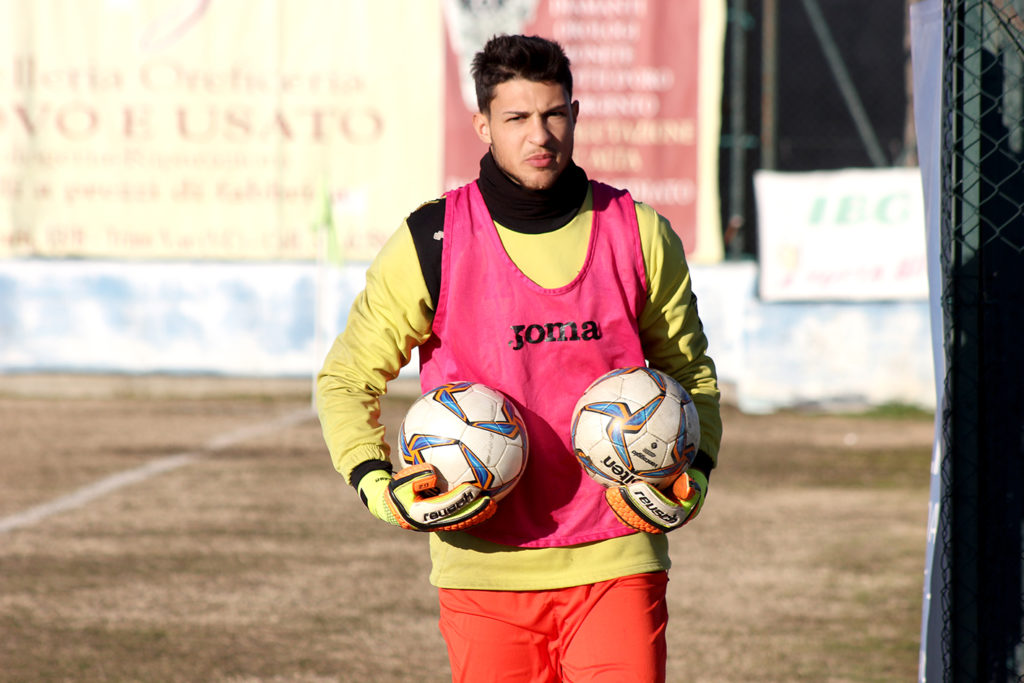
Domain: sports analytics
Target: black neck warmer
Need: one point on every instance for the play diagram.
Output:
(531, 211)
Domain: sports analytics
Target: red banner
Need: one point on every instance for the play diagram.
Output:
(640, 72)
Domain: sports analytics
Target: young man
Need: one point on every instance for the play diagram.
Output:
(557, 581)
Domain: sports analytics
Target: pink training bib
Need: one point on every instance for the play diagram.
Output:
(542, 348)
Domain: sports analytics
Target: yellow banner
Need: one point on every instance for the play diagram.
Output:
(215, 129)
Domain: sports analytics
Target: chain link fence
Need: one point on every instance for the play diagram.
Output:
(982, 243)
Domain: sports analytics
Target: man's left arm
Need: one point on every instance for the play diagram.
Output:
(674, 342)
(671, 330)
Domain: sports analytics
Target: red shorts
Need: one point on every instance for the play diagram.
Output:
(610, 631)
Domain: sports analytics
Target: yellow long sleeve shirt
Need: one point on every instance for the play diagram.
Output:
(393, 315)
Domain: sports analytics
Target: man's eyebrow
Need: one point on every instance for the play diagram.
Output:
(515, 112)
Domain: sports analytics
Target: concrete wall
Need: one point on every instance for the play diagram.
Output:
(260, 320)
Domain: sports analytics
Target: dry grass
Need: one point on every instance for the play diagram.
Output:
(257, 563)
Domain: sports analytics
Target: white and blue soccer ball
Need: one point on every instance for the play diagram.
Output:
(470, 433)
(633, 424)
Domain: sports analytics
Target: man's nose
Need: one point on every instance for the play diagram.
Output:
(539, 131)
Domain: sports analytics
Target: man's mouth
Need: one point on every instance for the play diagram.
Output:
(540, 160)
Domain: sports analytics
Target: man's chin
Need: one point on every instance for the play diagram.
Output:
(538, 180)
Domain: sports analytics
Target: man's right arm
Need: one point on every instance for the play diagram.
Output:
(388, 319)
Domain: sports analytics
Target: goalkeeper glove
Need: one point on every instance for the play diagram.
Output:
(644, 508)
(412, 499)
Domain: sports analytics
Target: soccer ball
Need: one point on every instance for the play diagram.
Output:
(470, 433)
(633, 424)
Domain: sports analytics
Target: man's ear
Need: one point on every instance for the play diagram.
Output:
(482, 126)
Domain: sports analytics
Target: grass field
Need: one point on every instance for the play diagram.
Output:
(228, 549)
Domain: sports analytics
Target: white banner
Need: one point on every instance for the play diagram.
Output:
(848, 235)
(926, 52)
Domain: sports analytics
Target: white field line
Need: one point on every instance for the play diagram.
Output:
(86, 494)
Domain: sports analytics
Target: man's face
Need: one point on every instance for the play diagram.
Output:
(529, 128)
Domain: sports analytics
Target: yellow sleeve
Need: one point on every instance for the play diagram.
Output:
(670, 328)
(390, 317)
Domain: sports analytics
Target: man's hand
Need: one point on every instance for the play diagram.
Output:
(411, 499)
(644, 508)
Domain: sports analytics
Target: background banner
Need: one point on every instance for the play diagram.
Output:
(849, 235)
(926, 35)
(214, 129)
(647, 74)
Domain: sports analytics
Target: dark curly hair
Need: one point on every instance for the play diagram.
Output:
(505, 57)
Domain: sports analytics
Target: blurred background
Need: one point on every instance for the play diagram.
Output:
(196, 187)
(191, 192)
